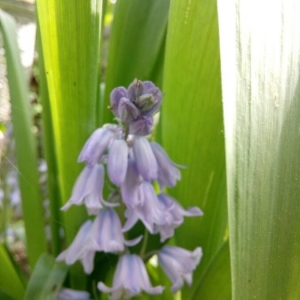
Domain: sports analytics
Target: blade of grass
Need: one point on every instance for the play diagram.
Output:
(25, 145)
(260, 50)
(192, 124)
(10, 282)
(70, 36)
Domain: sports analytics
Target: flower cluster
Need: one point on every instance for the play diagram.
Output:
(133, 164)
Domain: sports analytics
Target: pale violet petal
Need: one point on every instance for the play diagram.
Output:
(117, 161)
(145, 159)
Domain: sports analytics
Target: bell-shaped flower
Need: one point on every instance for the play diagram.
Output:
(145, 159)
(151, 89)
(97, 144)
(179, 264)
(80, 249)
(130, 279)
(117, 161)
(141, 126)
(168, 173)
(174, 214)
(115, 96)
(149, 210)
(67, 294)
(88, 190)
(131, 184)
(127, 111)
(106, 234)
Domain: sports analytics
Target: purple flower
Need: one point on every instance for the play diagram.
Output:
(174, 214)
(88, 190)
(179, 264)
(115, 96)
(168, 174)
(67, 294)
(145, 159)
(141, 126)
(80, 249)
(130, 279)
(146, 96)
(148, 210)
(127, 111)
(117, 161)
(106, 234)
(130, 186)
(97, 144)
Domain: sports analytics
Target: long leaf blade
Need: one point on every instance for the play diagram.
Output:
(260, 50)
(192, 123)
(70, 41)
(25, 145)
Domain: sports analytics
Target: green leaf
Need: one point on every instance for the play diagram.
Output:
(192, 124)
(25, 144)
(215, 282)
(46, 279)
(70, 36)
(10, 282)
(136, 45)
(260, 50)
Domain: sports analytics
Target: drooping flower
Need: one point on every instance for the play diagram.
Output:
(145, 159)
(70, 294)
(148, 210)
(97, 144)
(80, 249)
(88, 190)
(179, 264)
(130, 279)
(168, 173)
(174, 214)
(141, 126)
(106, 234)
(130, 186)
(117, 161)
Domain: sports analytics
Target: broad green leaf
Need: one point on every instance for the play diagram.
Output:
(25, 144)
(215, 283)
(10, 282)
(192, 124)
(260, 50)
(136, 45)
(46, 279)
(70, 36)
(50, 153)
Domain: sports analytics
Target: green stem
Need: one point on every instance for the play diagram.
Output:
(145, 242)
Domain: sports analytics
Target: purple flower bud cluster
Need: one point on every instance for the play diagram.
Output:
(133, 164)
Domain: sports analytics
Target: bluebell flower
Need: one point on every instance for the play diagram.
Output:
(179, 264)
(88, 190)
(131, 184)
(106, 234)
(70, 294)
(148, 210)
(80, 249)
(146, 96)
(174, 214)
(97, 144)
(145, 159)
(141, 126)
(115, 96)
(130, 279)
(117, 161)
(127, 111)
(168, 172)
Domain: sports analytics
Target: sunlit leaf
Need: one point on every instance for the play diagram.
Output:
(70, 42)
(260, 50)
